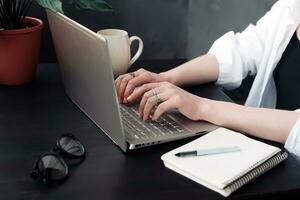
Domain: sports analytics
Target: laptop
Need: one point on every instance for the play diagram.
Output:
(87, 75)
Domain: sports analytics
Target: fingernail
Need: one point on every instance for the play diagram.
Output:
(129, 98)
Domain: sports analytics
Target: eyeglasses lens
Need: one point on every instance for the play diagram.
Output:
(52, 168)
(72, 146)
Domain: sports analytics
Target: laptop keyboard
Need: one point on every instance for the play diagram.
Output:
(139, 129)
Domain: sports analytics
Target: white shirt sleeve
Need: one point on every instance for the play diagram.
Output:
(292, 143)
(239, 54)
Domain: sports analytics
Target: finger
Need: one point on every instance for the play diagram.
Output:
(151, 102)
(133, 83)
(117, 83)
(140, 71)
(150, 93)
(158, 88)
(143, 102)
(138, 92)
(122, 87)
(119, 78)
(136, 74)
(164, 107)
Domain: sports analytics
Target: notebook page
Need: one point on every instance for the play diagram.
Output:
(218, 169)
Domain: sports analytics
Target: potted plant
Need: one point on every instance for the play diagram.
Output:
(20, 36)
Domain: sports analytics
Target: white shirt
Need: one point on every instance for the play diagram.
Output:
(257, 50)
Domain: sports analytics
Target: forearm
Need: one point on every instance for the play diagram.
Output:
(265, 123)
(202, 69)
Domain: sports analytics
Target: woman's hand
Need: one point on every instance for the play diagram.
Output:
(127, 83)
(163, 96)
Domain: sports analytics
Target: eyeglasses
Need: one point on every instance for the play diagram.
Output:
(51, 167)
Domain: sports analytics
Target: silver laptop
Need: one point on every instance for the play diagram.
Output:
(88, 80)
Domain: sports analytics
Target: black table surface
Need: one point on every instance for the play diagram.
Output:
(32, 116)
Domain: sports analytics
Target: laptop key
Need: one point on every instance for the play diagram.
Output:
(149, 129)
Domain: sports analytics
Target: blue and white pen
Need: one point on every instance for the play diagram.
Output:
(204, 152)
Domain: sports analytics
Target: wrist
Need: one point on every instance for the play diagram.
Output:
(166, 77)
(204, 109)
(222, 113)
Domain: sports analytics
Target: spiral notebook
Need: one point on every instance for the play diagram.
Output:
(227, 172)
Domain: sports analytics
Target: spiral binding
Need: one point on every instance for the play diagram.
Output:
(273, 161)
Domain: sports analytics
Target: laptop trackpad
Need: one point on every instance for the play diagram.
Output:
(197, 127)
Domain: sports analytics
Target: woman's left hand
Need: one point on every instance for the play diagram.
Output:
(163, 96)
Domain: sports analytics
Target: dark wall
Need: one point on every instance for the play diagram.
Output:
(169, 28)
(160, 23)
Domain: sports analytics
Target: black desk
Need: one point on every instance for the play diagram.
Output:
(34, 115)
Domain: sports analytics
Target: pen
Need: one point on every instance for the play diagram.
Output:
(204, 152)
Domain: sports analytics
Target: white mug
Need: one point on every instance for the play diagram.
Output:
(119, 44)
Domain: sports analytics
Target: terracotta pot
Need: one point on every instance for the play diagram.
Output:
(19, 52)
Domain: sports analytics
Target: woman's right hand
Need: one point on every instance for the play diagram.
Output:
(127, 83)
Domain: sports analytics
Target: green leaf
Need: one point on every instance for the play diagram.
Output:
(54, 5)
(99, 5)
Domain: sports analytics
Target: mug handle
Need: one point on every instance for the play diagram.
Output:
(140, 49)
